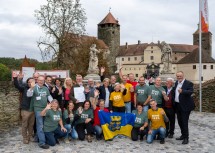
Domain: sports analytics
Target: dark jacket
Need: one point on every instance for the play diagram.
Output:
(55, 95)
(185, 99)
(23, 88)
(102, 92)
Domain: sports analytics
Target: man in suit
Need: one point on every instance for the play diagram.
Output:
(184, 104)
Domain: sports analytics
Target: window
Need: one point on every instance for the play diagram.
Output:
(204, 66)
(130, 68)
(125, 68)
(139, 68)
(152, 51)
(176, 58)
(142, 58)
(135, 58)
(136, 75)
(128, 58)
(152, 57)
(194, 66)
(134, 68)
(122, 59)
(212, 67)
(151, 47)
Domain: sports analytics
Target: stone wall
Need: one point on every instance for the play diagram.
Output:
(208, 96)
(9, 106)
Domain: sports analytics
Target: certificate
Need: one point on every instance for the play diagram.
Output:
(79, 94)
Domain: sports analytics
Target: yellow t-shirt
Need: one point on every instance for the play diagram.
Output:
(127, 97)
(156, 118)
(117, 99)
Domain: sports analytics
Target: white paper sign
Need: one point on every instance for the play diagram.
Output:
(27, 72)
(79, 94)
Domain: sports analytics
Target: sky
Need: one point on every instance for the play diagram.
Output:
(172, 21)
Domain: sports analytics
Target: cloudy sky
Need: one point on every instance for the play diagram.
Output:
(173, 21)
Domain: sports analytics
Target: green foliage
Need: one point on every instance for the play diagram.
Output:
(5, 74)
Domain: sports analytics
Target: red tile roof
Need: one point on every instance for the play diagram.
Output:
(109, 19)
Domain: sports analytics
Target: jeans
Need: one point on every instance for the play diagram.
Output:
(128, 107)
(51, 137)
(161, 131)
(71, 131)
(39, 126)
(98, 131)
(146, 108)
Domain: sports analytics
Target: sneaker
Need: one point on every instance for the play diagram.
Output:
(66, 140)
(162, 141)
(44, 146)
(89, 139)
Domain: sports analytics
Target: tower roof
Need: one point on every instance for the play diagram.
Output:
(109, 19)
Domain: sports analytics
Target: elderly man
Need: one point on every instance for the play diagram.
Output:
(184, 104)
(169, 108)
(89, 89)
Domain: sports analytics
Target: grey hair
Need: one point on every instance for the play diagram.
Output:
(170, 79)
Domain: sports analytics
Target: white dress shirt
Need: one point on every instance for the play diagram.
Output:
(176, 91)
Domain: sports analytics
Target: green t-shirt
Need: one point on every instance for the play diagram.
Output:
(39, 98)
(142, 93)
(84, 115)
(66, 115)
(156, 94)
(140, 118)
(51, 120)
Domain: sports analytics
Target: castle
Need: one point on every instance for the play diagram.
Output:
(145, 58)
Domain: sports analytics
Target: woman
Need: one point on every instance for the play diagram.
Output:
(104, 92)
(141, 123)
(53, 125)
(97, 125)
(28, 117)
(57, 92)
(116, 98)
(67, 90)
(85, 121)
(69, 119)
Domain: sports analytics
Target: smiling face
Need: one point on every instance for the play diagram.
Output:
(113, 79)
(71, 106)
(158, 81)
(180, 76)
(54, 105)
(40, 81)
(58, 83)
(141, 81)
(86, 105)
(117, 87)
(153, 105)
(29, 82)
(139, 108)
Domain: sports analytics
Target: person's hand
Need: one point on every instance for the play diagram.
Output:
(150, 132)
(63, 129)
(48, 106)
(122, 86)
(102, 69)
(132, 89)
(96, 93)
(80, 110)
(87, 120)
(71, 115)
(53, 89)
(20, 76)
(111, 111)
(14, 75)
(60, 91)
(163, 93)
(141, 128)
(180, 90)
(32, 84)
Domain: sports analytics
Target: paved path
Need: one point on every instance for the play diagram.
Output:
(202, 140)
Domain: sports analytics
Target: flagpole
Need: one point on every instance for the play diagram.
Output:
(200, 57)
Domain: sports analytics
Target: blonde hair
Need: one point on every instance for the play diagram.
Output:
(65, 85)
(106, 79)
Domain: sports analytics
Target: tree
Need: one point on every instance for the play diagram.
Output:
(59, 18)
(5, 74)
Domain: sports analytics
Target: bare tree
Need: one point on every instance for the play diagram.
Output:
(58, 18)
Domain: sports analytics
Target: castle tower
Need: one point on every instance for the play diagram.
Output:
(109, 32)
(206, 41)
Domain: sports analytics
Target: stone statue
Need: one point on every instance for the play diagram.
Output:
(166, 57)
(93, 62)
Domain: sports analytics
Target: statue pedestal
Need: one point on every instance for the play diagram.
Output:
(95, 77)
(166, 75)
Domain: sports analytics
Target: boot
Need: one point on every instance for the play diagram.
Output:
(89, 139)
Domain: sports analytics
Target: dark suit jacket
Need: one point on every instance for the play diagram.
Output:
(185, 100)
(102, 92)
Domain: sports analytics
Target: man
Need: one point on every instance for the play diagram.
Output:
(48, 83)
(40, 95)
(132, 81)
(89, 89)
(169, 108)
(157, 119)
(35, 76)
(127, 97)
(142, 94)
(158, 92)
(184, 104)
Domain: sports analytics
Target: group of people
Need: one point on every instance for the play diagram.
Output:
(51, 111)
